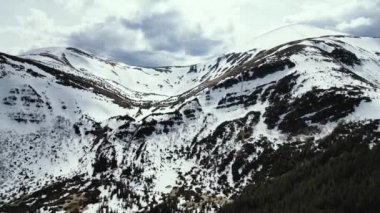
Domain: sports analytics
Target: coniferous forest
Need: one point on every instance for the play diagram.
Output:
(341, 176)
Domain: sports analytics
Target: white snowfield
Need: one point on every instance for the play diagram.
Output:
(289, 33)
(139, 83)
(46, 126)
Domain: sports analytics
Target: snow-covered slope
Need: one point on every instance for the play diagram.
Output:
(83, 132)
(290, 33)
(137, 83)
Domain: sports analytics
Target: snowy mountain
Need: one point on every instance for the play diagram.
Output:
(288, 33)
(83, 133)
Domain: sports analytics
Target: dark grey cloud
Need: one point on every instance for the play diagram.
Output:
(349, 19)
(371, 29)
(142, 58)
(163, 32)
(98, 37)
(373, 15)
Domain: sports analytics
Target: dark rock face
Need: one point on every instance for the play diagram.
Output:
(345, 56)
(27, 117)
(257, 71)
(268, 68)
(224, 132)
(105, 158)
(146, 129)
(316, 106)
(278, 94)
(34, 74)
(32, 103)
(227, 83)
(234, 99)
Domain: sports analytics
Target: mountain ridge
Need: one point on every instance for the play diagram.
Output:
(193, 143)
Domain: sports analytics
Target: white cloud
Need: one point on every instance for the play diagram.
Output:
(34, 29)
(37, 20)
(76, 5)
(354, 23)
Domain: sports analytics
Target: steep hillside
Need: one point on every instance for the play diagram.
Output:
(341, 176)
(84, 133)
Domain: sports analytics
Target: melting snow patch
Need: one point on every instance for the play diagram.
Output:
(367, 110)
(165, 180)
(371, 145)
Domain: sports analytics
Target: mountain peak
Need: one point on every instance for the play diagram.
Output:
(289, 33)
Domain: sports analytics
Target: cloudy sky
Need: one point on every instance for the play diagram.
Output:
(167, 32)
